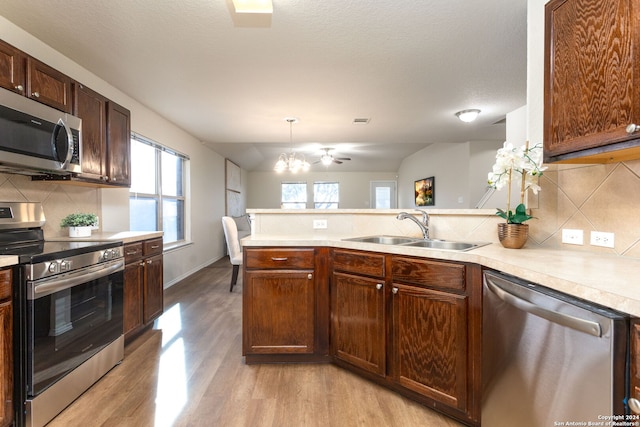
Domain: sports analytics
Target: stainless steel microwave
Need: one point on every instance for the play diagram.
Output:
(37, 139)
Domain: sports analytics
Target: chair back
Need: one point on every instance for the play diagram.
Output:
(233, 243)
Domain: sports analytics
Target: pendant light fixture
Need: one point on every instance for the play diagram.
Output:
(293, 162)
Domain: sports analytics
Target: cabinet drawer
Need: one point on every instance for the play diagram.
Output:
(5, 284)
(436, 274)
(152, 247)
(278, 258)
(132, 252)
(358, 262)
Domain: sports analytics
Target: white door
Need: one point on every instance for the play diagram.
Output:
(383, 195)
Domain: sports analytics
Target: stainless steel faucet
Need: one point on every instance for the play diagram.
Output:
(424, 225)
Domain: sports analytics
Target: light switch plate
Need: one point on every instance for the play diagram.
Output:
(572, 237)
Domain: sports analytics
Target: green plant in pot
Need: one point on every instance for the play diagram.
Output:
(79, 224)
(513, 164)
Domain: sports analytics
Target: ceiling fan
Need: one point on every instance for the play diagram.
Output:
(326, 159)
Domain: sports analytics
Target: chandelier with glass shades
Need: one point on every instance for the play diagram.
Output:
(293, 162)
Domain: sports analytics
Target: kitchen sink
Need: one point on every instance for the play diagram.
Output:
(384, 240)
(444, 245)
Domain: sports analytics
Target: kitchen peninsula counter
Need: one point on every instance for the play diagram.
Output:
(609, 280)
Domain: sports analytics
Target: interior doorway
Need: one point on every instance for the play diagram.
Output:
(383, 195)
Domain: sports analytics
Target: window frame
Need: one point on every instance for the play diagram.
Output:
(315, 193)
(303, 203)
(158, 195)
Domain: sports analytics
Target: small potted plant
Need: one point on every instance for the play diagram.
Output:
(79, 224)
(516, 163)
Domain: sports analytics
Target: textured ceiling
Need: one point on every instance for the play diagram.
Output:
(230, 80)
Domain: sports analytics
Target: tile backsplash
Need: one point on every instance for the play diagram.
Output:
(589, 198)
(58, 199)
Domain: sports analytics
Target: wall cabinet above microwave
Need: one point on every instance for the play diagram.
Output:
(27, 76)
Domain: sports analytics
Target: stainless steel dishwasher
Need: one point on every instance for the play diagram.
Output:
(549, 358)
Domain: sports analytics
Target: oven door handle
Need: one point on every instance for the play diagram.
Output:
(40, 288)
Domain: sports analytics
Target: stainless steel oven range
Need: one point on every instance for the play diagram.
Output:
(67, 313)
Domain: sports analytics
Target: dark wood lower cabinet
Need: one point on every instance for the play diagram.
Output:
(143, 285)
(409, 323)
(429, 350)
(6, 349)
(285, 305)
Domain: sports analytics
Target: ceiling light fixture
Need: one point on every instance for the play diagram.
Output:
(293, 162)
(468, 115)
(326, 158)
(253, 6)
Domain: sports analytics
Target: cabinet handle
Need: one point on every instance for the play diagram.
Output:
(149, 261)
(131, 253)
(394, 290)
(36, 94)
(141, 264)
(19, 88)
(633, 128)
(155, 246)
(279, 259)
(309, 276)
(634, 405)
(379, 286)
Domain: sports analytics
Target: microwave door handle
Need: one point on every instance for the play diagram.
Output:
(69, 143)
(46, 287)
(582, 325)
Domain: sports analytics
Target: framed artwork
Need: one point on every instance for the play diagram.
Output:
(425, 191)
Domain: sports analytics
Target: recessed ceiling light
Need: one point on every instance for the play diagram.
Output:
(253, 6)
(468, 115)
(361, 121)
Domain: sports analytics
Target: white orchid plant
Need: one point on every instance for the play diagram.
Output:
(522, 164)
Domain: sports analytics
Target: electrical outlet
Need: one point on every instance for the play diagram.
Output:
(572, 237)
(319, 224)
(600, 238)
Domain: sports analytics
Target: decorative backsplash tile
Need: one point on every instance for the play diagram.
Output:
(590, 198)
(58, 200)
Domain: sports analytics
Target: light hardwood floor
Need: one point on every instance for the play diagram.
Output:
(189, 371)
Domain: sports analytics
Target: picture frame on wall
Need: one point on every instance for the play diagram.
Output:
(425, 191)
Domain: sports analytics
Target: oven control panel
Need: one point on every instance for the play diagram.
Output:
(72, 263)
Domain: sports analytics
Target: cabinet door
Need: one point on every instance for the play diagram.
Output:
(6, 370)
(358, 322)
(12, 71)
(118, 140)
(153, 288)
(132, 311)
(592, 82)
(91, 108)
(279, 312)
(48, 85)
(634, 377)
(429, 354)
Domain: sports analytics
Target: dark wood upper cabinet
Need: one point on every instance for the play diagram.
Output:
(592, 81)
(91, 107)
(48, 85)
(12, 68)
(119, 144)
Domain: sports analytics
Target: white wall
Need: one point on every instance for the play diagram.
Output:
(263, 188)
(460, 172)
(206, 178)
(535, 69)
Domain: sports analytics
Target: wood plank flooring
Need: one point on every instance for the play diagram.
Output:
(189, 371)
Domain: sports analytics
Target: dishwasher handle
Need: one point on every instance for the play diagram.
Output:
(582, 325)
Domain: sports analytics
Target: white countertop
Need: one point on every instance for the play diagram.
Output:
(125, 236)
(609, 280)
